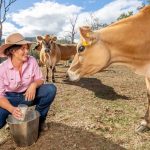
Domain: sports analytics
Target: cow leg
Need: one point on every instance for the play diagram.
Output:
(53, 76)
(67, 63)
(145, 124)
(47, 71)
(54, 68)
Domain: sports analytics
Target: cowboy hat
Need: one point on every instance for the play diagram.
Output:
(13, 39)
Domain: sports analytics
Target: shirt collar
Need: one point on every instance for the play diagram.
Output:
(10, 65)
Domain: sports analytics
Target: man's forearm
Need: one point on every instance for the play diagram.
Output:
(38, 83)
(4, 103)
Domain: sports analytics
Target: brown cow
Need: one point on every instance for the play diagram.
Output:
(51, 52)
(68, 51)
(49, 55)
(125, 42)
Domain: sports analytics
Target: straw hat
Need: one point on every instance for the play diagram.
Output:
(13, 39)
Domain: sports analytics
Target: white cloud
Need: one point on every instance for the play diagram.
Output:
(53, 18)
(44, 17)
(113, 10)
(8, 28)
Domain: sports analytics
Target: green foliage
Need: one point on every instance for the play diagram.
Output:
(144, 3)
(34, 52)
(125, 15)
(148, 1)
(96, 25)
(2, 59)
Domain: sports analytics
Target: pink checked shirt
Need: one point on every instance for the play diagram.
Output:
(10, 80)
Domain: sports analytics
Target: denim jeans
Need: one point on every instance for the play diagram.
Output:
(45, 95)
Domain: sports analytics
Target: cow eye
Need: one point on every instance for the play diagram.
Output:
(81, 48)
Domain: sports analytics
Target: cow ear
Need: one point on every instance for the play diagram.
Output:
(39, 38)
(37, 47)
(54, 38)
(85, 31)
(88, 37)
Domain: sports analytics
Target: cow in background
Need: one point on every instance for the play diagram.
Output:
(68, 52)
(51, 52)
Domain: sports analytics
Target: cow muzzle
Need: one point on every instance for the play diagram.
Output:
(73, 76)
(47, 50)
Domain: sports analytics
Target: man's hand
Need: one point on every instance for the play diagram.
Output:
(30, 92)
(16, 112)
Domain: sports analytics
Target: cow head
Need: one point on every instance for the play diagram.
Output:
(45, 43)
(92, 55)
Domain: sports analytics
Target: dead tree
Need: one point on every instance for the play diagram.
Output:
(4, 8)
(71, 34)
(94, 22)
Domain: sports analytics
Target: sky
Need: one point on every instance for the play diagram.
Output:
(38, 17)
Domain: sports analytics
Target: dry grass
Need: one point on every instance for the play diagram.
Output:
(97, 113)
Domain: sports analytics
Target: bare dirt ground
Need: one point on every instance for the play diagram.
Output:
(100, 112)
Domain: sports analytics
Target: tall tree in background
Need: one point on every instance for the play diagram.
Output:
(148, 1)
(125, 15)
(4, 8)
(71, 34)
(94, 23)
(144, 3)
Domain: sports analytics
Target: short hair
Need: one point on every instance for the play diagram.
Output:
(8, 51)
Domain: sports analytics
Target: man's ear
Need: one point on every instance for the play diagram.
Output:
(39, 38)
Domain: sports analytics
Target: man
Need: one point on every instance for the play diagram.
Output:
(21, 81)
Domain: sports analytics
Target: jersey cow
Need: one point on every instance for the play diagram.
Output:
(68, 51)
(126, 42)
(51, 52)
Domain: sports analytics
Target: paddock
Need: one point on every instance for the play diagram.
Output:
(99, 112)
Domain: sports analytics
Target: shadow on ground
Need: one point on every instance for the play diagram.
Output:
(100, 90)
(63, 137)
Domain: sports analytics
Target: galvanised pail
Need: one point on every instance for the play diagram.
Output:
(25, 132)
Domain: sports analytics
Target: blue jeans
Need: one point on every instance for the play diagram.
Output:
(45, 95)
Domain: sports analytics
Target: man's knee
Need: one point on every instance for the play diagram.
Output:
(51, 89)
(48, 92)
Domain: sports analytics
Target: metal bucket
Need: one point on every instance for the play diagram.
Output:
(25, 132)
